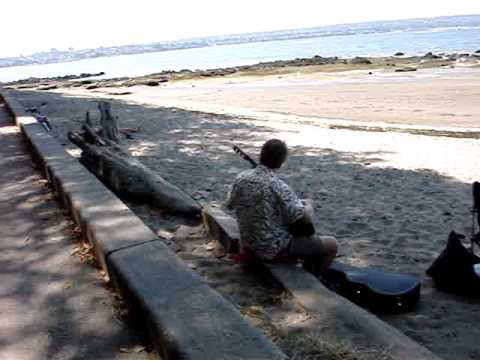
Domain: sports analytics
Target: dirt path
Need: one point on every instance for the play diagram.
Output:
(51, 305)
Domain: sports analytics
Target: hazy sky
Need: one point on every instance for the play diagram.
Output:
(34, 25)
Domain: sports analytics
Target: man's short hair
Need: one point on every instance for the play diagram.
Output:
(273, 154)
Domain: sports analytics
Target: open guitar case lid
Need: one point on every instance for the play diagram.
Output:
(453, 270)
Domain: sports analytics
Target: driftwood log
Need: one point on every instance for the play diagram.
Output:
(108, 122)
(125, 175)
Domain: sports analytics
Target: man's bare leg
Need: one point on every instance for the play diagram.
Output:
(330, 247)
(317, 251)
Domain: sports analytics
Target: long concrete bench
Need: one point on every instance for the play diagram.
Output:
(318, 300)
(186, 319)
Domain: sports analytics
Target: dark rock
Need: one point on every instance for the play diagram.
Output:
(399, 53)
(85, 75)
(26, 86)
(429, 55)
(477, 52)
(151, 83)
(48, 87)
(91, 87)
(119, 93)
(406, 69)
(359, 60)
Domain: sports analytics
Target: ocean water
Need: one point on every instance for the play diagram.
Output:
(413, 37)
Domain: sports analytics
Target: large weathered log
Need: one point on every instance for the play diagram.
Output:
(124, 174)
(90, 135)
(128, 176)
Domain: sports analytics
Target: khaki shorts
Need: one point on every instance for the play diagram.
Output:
(303, 247)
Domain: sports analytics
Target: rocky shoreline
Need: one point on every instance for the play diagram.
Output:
(398, 63)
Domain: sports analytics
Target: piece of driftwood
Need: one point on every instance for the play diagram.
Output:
(108, 123)
(124, 174)
(316, 299)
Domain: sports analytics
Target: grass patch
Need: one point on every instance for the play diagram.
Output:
(302, 344)
(311, 347)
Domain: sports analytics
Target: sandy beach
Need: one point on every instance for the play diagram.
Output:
(432, 97)
(390, 193)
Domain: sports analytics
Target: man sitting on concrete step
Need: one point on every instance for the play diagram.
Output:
(266, 207)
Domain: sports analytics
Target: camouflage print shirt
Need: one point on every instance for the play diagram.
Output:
(264, 206)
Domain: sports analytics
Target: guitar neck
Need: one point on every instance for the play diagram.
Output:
(240, 152)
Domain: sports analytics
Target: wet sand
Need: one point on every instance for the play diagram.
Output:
(433, 98)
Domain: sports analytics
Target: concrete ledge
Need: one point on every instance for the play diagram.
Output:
(16, 109)
(314, 297)
(222, 227)
(113, 229)
(185, 317)
(108, 223)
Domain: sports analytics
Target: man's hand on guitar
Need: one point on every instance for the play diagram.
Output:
(308, 215)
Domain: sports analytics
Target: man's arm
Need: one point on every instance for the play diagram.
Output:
(308, 213)
(293, 208)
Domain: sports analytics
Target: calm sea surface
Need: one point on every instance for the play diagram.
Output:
(413, 37)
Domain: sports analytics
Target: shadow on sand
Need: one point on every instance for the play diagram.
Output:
(394, 218)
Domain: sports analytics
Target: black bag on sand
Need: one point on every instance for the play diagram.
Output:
(453, 270)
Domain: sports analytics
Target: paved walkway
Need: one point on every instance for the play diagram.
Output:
(51, 305)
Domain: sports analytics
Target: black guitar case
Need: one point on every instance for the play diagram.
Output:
(378, 290)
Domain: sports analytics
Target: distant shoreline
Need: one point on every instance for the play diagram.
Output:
(398, 63)
(55, 56)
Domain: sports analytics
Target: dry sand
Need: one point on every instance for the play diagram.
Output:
(391, 198)
(441, 97)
